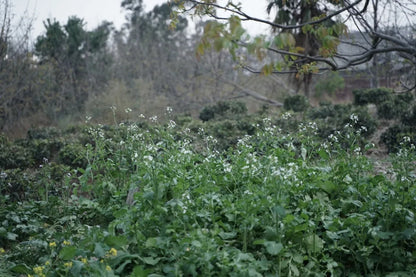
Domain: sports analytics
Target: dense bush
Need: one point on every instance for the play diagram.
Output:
(372, 96)
(73, 155)
(14, 155)
(296, 103)
(395, 107)
(223, 110)
(394, 136)
(332, 118)
(408, 118)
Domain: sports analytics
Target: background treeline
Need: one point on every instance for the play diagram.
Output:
(71, 72)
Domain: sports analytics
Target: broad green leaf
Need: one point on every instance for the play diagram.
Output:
(327, 186)
(294, 269)
(259, 242)
(121, 267)
(21, 268)
(150, 260)
(99, 250)
(151, 242)
(76, 268)
(116, 241)
(314, 243)
(11, 236)
(227, 235)
(138, 271)
(273, 248)
(68, 252)
(196, 243)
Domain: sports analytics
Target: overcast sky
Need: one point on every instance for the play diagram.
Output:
(94, 11)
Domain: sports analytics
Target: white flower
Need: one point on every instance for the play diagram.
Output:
(227, 167)
(148, 157)
(172, 124)
(127, 110)
(354, 118)
(153, 118)
(286, 115)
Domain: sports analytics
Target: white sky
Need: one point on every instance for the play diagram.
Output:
(95, 11)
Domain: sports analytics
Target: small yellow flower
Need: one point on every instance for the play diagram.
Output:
(102, 261)
(47, 263)
(68, 264)
(2, 251)
(66, 242)
(112, 252)
(108, 268)
(84, 260)
(38, 270)
(52, 244)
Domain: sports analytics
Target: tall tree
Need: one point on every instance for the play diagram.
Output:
(72, 51)
(307, 33)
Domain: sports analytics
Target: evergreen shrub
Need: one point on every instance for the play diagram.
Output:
(296, 103)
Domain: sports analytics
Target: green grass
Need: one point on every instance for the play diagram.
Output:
(276, 203)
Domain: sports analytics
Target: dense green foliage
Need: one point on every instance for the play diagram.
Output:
(148, 199)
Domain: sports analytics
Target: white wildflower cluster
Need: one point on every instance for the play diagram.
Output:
(227, 167)
(169, 110)
(148, 158)
(354, 118)
(357, 151)
(96, 132)
(185, 151)
(247, 192)
(348, 126)
(153, 119)
(141, 116)
(128, 110)
(286, 173)
(186, 200)
(362, 129)
(333, 138)
(133, 128)
(87, 119)
(309, 127)
(201, 131)
(244, 141)
(210, 140)
(171, 124)
(267, 121)
(137, 137)
(286, 115)
(406, 145)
